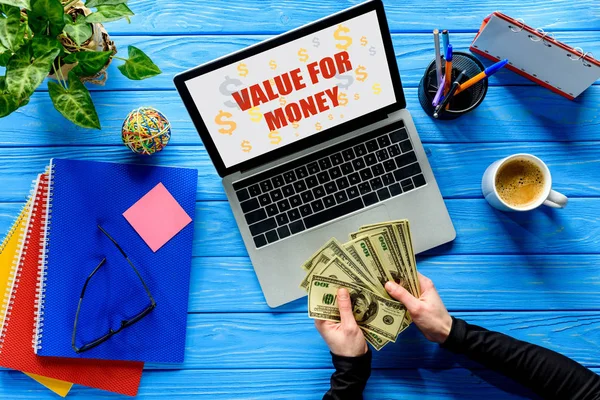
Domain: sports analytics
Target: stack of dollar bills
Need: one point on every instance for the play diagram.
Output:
(374, 255)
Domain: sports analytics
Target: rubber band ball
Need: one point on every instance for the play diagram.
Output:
(146, 131)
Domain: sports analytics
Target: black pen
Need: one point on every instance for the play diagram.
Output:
(451, 92)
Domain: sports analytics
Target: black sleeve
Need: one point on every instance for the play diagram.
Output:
(547, 373)
(350, 377)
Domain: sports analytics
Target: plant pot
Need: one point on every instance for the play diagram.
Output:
(99, 41)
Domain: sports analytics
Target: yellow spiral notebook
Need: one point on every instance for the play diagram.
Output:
(10, 253)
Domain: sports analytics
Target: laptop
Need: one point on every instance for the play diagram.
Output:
(310, 133)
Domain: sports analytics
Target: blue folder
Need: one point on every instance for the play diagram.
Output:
(86, 194)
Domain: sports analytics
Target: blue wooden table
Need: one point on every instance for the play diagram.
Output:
(535, 276)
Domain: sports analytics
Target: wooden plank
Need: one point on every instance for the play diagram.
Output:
(266, 384)
(509, 114)
(214, 16)
(498, 282)
(414, 51)
(535, 282)
(480, 228)
(290, 340)
(458, 167)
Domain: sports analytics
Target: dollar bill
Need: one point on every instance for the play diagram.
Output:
(364, 248)
(331, 249)
(375, 340)
(401, 229)
(391, 261)
(337, 269)
(378, 342)
(375, 254)
(396, 251)
(386, 247)
(317, 262)
(406, 238)
(355, 255)
(389, 253)
(372, 257)
(372, 312)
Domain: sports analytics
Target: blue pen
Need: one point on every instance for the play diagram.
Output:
(444, 103)
(448, 70)
(445, 40)
(492, 69)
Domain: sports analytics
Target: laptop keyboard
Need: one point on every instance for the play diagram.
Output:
(328, 184)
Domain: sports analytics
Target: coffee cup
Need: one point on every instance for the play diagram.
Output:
(520, 182)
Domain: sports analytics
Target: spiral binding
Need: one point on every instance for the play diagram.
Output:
(17, 263)
(40, 287)
(549, 40)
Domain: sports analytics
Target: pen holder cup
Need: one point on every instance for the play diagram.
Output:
(463, 102)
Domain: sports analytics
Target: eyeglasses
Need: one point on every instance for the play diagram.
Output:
(125, 323)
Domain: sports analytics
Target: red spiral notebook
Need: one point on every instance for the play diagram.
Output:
(536, 55)
(17, 349)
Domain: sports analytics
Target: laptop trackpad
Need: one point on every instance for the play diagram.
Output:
(342, 228)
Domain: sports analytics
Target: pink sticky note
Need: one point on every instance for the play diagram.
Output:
(157, 217)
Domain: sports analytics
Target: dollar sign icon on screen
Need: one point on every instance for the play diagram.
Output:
(338, 35)
(376, 88)
(372, 50)
(246, 147)
(272, 64)
(302, 55)
(242, 70)
(343, 99)
(226, 90)
(255, 114)
(318, 126)
(363, 41)
(220, 120)
(349, 80)
(316, 42)
(274, 136)
(361, 74)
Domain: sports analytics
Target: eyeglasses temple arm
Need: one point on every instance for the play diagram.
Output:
(130, 263)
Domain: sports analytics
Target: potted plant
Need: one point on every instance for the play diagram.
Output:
(65, 41)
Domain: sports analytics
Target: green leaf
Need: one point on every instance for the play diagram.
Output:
(46, 17)
(139, 66)
(79, 31)
(5, 54)
(17, 3)
(110, 13)
(89, 62)
(24, 72)
(97, 3)
(8, 104)
(74, 103)
(11, 33)
(42, 46)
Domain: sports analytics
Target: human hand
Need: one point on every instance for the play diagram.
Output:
(428, 311)
(343, 338)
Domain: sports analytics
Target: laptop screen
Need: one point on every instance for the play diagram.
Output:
(295, 90)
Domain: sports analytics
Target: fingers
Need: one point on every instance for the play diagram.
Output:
(323, 325)
(402, 295)
(424, 282)
(319, 324)
(345, 307)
